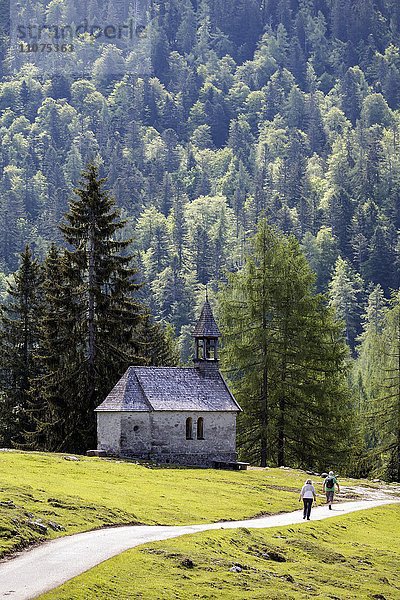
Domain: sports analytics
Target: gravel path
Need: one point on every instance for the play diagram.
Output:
(42, 568)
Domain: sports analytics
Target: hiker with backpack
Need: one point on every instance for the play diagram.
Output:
(329, 488)
(307, 494)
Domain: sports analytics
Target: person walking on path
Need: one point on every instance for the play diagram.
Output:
(307, 494)
(329, 488)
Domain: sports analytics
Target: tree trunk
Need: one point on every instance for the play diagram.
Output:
(282, 404)
(264, 418)
(281, 432)
(265, 387)
(91, 317)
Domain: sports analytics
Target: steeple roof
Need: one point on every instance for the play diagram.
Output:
(206, 325)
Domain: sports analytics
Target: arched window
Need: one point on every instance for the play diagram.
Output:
(200, 428)
(189, 428)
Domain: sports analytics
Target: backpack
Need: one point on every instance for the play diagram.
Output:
(329, 483)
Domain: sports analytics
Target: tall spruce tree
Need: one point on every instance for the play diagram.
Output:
(19, 337)
(51, 417)
(285, 358)
(102, 311)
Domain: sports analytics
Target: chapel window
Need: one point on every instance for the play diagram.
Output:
(189, 428)
(200, 428)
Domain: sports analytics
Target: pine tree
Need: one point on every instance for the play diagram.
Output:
(391, 84)
(322, 253)
(381, 264)
(345, 291)
(159, 345)
(353, 91)
(19, 337)
(51, 416)
(295, 110)
(186, 33)
(172, 292)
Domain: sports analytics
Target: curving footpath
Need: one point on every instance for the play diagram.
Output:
(30, 573)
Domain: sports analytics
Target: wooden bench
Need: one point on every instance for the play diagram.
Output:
(232, 466)
(99, 453)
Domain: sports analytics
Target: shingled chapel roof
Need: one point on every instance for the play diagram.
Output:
(169, 389)
(206, 325)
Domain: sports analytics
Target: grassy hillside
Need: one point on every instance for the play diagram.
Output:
(351, 557)
(83, 494)
(88, 493)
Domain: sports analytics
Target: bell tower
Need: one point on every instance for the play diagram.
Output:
(206, 335)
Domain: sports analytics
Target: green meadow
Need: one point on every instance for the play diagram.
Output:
(90, 492)
(354, 556)
(350, 557)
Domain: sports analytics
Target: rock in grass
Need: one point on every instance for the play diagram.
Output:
(55, 526)
(37, 526)
(236, 569)
(8, 504)
(73, 458)
(275, 556)
(188, 563)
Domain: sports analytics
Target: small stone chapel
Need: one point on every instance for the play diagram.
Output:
(173, 415)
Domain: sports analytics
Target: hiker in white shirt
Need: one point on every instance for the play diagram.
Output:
(307, 494)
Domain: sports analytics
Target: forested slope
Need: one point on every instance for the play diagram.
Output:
(245, 109)
(281, 108)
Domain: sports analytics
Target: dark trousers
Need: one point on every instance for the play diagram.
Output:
(307, 506)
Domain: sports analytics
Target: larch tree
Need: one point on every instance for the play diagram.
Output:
(369, 350)
(386, 396)
(285, 358)
(390, 403)
(345, 289)
(366, 377)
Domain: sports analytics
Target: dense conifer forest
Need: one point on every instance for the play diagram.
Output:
(283, 110)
